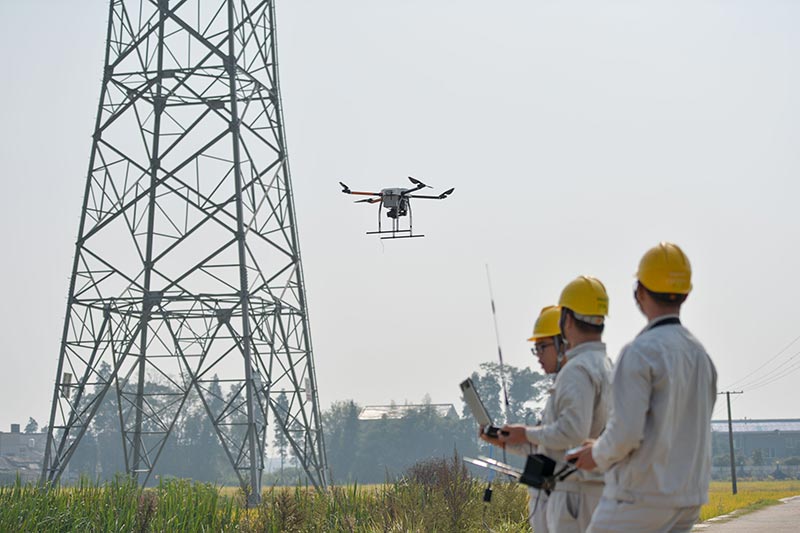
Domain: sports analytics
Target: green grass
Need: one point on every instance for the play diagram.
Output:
(120, 505)
(435, 496)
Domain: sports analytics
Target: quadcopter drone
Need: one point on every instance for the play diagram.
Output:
(397, 202)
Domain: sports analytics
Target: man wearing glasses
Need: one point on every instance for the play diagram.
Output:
(577, 408)
(548, 349)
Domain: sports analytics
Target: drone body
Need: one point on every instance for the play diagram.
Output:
(397, 202)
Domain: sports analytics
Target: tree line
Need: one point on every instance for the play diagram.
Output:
(357, 450)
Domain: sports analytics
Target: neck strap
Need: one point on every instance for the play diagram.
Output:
(666, 322)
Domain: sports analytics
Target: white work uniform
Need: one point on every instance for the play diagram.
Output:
(656, 449)
(537, 499)
(576, 410)
(537, 510)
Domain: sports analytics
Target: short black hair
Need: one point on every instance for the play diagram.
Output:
(666, 298)
(585, 327)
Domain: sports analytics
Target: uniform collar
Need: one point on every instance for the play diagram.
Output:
(591, 346)
(658, 320)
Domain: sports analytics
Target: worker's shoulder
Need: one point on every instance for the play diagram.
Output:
(659, 333)
(668, 339)
(591, 363)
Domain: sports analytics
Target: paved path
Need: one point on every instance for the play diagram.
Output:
(781, 518)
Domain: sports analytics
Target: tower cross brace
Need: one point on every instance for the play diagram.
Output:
(187, 272)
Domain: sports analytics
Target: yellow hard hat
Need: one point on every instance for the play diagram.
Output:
(587, 298)
(665, 269)
(546, 324)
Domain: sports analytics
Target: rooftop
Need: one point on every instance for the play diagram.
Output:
(757, 426)
(376, 412)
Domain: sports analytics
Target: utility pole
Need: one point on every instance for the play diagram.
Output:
(730, 438)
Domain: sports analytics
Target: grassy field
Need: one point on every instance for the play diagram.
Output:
(435, 498)
(750, 494)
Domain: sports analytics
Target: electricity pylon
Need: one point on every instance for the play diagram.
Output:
(187, 262)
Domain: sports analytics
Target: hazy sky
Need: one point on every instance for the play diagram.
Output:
(576, 134)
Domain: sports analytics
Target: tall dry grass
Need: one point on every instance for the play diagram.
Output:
(435, 495)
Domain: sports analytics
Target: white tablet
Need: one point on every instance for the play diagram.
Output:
(474, 403)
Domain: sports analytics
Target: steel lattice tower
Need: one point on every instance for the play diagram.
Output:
(187, 261)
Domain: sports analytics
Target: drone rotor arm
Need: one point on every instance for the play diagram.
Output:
(442, 196)
(417, 186)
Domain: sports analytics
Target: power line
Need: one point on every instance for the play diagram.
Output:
(777, 371)
(764, 382)
(765, 363)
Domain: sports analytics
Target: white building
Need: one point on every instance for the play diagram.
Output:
(21, 454)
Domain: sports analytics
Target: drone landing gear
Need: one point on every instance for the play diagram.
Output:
(396, 232)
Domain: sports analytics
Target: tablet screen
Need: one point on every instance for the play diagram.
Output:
(474, 403)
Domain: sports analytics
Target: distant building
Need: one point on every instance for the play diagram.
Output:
(774, 438)
(393, 412)
(21, 454)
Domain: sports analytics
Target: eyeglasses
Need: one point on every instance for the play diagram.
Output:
(538, 349)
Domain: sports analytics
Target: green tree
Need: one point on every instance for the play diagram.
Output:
(722, 460)
(32, 426)
(368, 451)
(488, 386)
(758, 457)
(342, 433)
(281, 442)
(106, 430)
(525, 390)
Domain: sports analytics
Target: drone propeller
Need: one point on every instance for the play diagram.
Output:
(345, 188)
(368, 200)
(442, 196)
(418, 183)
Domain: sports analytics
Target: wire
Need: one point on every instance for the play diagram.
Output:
(488, 492)
(773, 375)
(735, 384)
(491, 472)
(483, 519)
(717, 407)
(764, 382)
(535, 505)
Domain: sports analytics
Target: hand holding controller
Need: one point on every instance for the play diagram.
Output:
(494, 432)
(572, 451)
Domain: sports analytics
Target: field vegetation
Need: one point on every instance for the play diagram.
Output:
(434, 495)
(437, 495)
(750, 495)
(363, 450)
